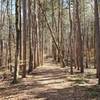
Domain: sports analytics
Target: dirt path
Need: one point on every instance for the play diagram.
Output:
(48, 82)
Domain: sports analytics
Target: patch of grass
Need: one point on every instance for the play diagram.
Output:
(94, 92)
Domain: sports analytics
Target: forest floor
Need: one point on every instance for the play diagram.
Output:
(51, 82)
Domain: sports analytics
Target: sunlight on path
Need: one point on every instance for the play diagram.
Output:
(47, 82)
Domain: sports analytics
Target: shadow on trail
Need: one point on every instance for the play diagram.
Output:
(71, 93)
(49, 83)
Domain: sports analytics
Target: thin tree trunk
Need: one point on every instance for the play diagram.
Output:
(24, 39)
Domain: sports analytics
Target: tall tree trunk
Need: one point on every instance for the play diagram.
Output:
(79, 46)
(17, 42)
(53, 44)
(97, 38)
(70, 37)
(9, 38)
(37, 33)
(24, 39)
(30, 39)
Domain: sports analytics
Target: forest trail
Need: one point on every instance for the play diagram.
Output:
(49, 82)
